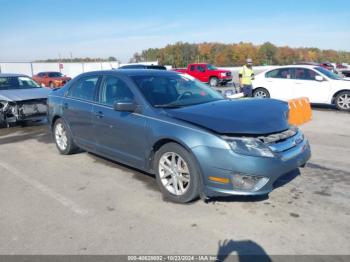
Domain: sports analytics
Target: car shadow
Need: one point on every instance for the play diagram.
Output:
(39, 131)
(287, 178)
(242, 251)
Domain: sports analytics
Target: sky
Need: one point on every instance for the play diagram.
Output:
(39, 29)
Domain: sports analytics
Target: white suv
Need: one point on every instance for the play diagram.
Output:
(318, 84)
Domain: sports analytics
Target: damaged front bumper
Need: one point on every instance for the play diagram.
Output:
(22, 111)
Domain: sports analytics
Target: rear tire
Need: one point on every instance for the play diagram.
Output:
(261, 93)
(342, 101)
(176, 173)
(63, 138)
(214, 81)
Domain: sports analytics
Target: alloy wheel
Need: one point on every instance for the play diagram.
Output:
(344, 101)
(174, 173)
(213, 82)
(61, 136)
(261, 94)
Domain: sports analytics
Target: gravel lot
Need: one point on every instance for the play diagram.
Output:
(83, 204)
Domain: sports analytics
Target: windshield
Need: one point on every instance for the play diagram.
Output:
(211, 67)
(55, 74)
(328, 73)
(175, 91)
(22, 82)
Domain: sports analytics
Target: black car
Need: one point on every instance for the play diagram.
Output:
(140, 66)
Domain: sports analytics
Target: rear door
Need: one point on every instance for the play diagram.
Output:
(279, 83)
(306, 85)
(77, 110)
(119, 135)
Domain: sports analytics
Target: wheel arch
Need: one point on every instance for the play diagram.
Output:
(158, 144)
(337, 93)
(54, 119)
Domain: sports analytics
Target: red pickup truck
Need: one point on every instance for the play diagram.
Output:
(207, 73)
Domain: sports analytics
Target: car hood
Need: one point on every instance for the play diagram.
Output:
(24, 94)
(241, 117)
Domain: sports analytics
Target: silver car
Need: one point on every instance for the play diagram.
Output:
(21, 100)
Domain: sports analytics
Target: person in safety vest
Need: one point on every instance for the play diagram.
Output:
(246, 75)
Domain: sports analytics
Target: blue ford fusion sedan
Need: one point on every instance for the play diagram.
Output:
(184, 132)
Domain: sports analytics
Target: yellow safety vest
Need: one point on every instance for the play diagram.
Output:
(247, 74)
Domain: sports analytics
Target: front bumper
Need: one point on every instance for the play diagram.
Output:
(225, 80)
(23, 111)
(226, 163)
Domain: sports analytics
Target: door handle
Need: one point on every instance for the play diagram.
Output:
(99, 114)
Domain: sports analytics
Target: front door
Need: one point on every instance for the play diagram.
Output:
(306, 85)
(77, 110)
(119, 135)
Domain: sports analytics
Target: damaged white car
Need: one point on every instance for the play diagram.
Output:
(21, 100)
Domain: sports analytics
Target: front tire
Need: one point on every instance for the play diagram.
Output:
(342, 101)
(176, 173)
(63, 139)
(214, 81)
(261, 93)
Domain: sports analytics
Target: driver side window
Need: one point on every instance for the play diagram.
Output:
(305, 74)
(114, 89)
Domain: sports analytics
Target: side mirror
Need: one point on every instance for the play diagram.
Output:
(319, 78)
(128, 106)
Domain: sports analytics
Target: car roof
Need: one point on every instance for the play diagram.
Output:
(135, 72)
(46, 72)
(12, 75)
(294, 66)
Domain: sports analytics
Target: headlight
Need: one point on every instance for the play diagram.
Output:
(250, 147)
(223, 74)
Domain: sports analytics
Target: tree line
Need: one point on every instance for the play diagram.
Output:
(181, 54)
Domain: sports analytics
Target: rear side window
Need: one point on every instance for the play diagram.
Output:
(283, 73)
(192, 68)
(114, 90)
(84, 89)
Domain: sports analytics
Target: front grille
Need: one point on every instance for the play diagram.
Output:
(279, 137)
